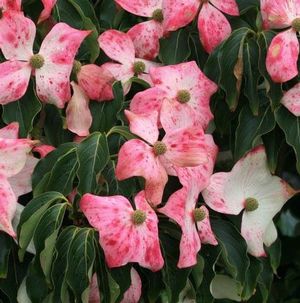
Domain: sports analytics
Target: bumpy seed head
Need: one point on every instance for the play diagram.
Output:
(158, 15)
(199, 214)
(76, 67)
(251, 204)
(37, 61)
(296, 24)
(159, 148)
(183, 96)
(139, 67)
(138, 217)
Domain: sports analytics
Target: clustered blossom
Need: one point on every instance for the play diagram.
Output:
(170, 120)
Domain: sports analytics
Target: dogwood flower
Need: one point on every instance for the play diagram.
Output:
(52, 65)
(16, 167)
(119, 47)
(181, 208)
(131, 295)
(10, 5)
(282, 55)
(186, 91)
(125, 234)
(46, 12)
(291, 100)
(170, 15)
(182, 147)
(250, 187)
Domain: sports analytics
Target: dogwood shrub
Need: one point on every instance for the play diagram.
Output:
(149, 151)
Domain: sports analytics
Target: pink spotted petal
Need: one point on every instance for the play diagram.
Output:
(145, 37)
(144, 126)
(16, 36)
(48, 6)
(143, 8)
(8, 206)
(180, 208)
(278, 13)
(78, 115)
(228, 7)
(44, 149)
(10, 5)
(179, 13)
(134, 292)
(14, 78)
(13, 155)
(136, 158)
(198, 177)
(121, 73)
(121, 240)
(291, 100)
(204, 229)
(58, 49)
(147, 101)
(118, 46)
(282, 56)
(213, 27)
(11, 131)
(186, 147)
(94, 296)
(21, 183)
(96, 82)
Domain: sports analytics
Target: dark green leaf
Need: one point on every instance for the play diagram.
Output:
(5, 248)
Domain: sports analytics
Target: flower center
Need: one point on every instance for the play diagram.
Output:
(183, 96)
(138, 217)
(158, 15)
(199, 214)
(296, 24)
(159, 148)
(251, 204)
(139, 67)
(76, 67)
(37, 61)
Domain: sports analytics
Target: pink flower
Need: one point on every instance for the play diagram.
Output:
(10, 5)
(282, 55)
(119, 47)
(44, 149)
(182, 147)
(250, 187)
(52, 65)
(291, 100)
(170, 15)
(16, 167)
(46, 12)
(125, 234)
(186, 93)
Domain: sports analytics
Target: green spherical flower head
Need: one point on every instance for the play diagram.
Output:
(138, 217)
(296, 24)
(76, 67)
(199, 214)
(158, 15)
(37, 61)
(159, 148)
(183, 96)
(251, 204)
(139, 67)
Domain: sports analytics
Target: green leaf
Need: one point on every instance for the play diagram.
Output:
(123, 131)
(23, 111)
(290, 124)
(233, 249)
(175, 48)
(31, 216)
(274, 252)
(231, 64)
(46, 234)
(105, 114)
(93, 155)
(62, 174)
(81, 259)
(60, 264)
(251, 128)
(5, 248)
(251, 74)
(245, 5)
